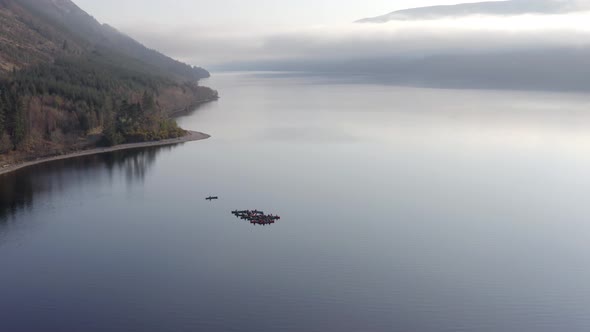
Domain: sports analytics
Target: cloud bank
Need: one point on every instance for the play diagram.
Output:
(472, 50)
(215, 46)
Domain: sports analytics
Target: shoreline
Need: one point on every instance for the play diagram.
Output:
(183, 111)
(190, 137)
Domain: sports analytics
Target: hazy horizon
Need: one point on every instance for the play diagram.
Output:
(207, 34)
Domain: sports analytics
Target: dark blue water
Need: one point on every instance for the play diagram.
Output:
(402, 210)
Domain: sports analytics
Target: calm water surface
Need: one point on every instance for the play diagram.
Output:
(404, 209)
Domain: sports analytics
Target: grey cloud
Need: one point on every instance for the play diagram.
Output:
(533, 52)
(204, 46)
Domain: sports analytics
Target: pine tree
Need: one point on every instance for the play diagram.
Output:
(110, 132)
(3, 106)
(20, 124)
(147, 102)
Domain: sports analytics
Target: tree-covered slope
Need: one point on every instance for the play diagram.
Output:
(53, 22)
(68, 82)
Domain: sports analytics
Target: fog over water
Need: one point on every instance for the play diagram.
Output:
(447, 35)
(511, 45)
(403, 209)
(250, 35)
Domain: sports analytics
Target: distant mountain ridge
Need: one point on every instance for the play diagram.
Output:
(512, 7)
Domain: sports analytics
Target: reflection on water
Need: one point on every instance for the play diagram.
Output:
(402, 210)
(18, 190)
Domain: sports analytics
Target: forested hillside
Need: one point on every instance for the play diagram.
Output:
(87, 29)
(67, 82)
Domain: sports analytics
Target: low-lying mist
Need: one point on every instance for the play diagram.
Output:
(547, 52)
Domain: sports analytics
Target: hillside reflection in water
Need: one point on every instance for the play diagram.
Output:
(19, 190)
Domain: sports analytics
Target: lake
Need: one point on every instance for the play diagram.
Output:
(403, 209)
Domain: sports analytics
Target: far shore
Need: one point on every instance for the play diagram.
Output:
(191, 136)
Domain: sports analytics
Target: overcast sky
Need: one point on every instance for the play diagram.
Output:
(122, 13)
(215, 32)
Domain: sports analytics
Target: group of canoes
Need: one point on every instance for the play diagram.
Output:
(256, 217)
